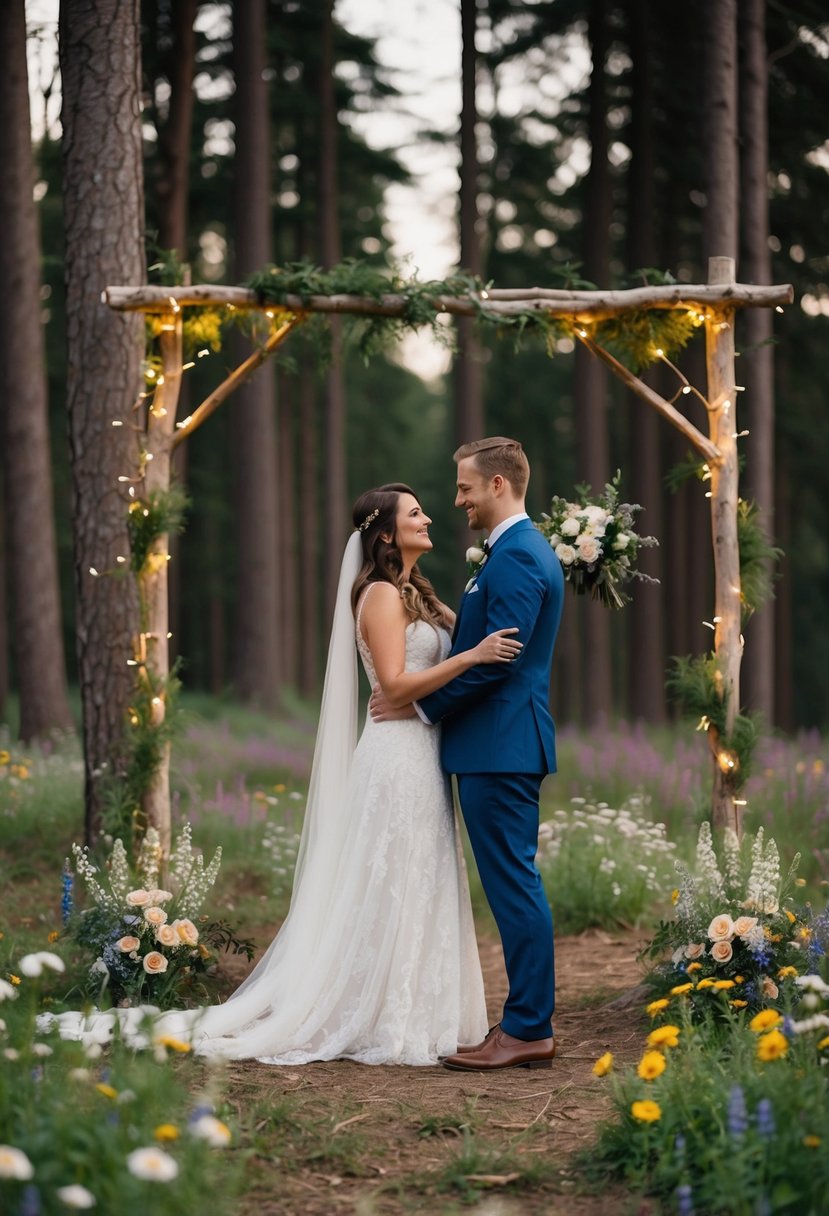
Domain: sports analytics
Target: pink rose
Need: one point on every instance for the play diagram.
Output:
(155, 916)
(187, 931)
(721, 952)
(166, 935)
(155, 963)
(721, 928)
(743, 924)
(138, 899)
(127, 944)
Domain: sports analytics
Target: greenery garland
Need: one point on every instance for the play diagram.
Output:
(698, 686)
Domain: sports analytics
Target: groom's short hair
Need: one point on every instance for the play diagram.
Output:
(499, 455)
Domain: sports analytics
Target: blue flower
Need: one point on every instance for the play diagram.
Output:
(684, 1200)
(764, 1116)
(737, 1113)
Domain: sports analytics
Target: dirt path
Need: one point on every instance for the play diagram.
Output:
(343, 1138)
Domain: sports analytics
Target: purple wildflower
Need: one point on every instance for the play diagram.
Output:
(766, 1126)
(737, 1113)
(684, 1200)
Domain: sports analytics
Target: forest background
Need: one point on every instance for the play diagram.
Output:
(581, 156)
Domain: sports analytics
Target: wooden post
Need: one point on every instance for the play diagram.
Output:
(153, 644)
(724, 483)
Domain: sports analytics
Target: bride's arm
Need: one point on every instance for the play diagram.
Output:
(383, 622)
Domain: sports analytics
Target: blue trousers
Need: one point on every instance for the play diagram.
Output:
(500, 811)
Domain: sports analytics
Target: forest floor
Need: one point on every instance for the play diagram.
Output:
(335, 1139)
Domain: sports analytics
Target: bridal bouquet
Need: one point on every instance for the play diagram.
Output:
(145, 938)
(596, 543)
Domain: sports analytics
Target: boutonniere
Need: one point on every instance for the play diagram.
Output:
(475, 559)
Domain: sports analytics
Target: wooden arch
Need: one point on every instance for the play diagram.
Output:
(716, 303)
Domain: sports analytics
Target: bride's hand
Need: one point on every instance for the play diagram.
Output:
(498, 647)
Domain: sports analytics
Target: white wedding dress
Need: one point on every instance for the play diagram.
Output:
(377, 959)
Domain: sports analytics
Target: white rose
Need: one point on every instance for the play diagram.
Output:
(721, 928)
(138, 899)
(166, 935)
(474, 554)
(695, 949)
(158, 896)
(744, 925)
(589, 548)
(721, 951)
(154, 963)
(768, 987)
(570, 527)
(555, 540)
(566, 554)
(621, 541)
(8, 992)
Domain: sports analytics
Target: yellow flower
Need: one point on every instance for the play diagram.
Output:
(646, 1111)
(15, 979)
(772, 1046)
(20, 771)
(279, 788)
(166, 1131)
(681, 989)
(692, 967)
(674, 895)
(812, 1141)
(106, 1090)
(723, 984)
(651, 1065)
(656, 1007)
(664, 1036)
(786, 973)
(5, 757)
(804, 933)
(167, 1040)
(53, 936)
(739, 979)
(706, 983)
(791, 916)
(823, 1044)
(764, 1020)
(738, 1004)
(603, 1065)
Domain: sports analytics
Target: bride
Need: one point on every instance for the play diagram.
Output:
(376, 960)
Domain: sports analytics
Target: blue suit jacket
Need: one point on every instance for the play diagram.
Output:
(496, 717)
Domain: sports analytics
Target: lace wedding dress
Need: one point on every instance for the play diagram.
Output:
(377, 959)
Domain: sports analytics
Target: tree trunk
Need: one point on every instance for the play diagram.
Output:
(337, 526)
(31, 553)
(104, 224)
(646, 642)
(256, 660)
(721, 161)
(309, 507)
(757, 363)
(468, 368)
(4, 637)
(174, 135)
(590, 386)
(288, 533)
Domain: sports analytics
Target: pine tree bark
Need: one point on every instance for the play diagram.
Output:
(334, 399)
(256, 660)
(721, 160)
(468, 367)
(757, 363)
(103, 198)
(4, 637)
(590, 383)
(646, 637)
(31, 553)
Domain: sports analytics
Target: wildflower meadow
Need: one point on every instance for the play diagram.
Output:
(706, 1095)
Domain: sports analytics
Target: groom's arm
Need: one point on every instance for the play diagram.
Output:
(514, 599)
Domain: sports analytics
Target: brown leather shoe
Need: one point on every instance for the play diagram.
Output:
(464, 1050)
(501, 1050)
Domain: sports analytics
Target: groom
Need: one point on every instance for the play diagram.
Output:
(498, 738)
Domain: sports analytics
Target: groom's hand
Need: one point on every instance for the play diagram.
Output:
(381, 711)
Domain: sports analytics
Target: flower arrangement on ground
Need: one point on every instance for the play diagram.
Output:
(735, 933)
(596, 543)
(146, 942)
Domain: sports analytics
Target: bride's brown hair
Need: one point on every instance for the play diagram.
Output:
(375, 513)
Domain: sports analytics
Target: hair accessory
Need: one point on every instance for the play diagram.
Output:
(369, 519)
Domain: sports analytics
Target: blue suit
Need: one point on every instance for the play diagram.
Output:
(498, 737)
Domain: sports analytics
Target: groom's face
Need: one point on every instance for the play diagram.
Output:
(475, 495)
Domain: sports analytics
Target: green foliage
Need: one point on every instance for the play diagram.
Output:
(161, 512)
(637, 336)
(697, 685)
(757, 559)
